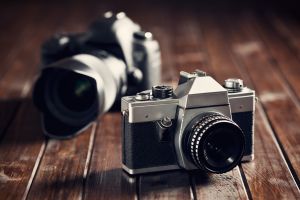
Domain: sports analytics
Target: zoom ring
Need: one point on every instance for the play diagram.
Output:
(199, 129)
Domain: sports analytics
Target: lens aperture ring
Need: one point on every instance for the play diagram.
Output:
(198, 130)
(204, 131)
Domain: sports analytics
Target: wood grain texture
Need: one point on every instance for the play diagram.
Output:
(288, 29)
(17, 32)
(206, 186)
(285, 57)
(61, 172)
(273, 94)
(65, 177)
(19, 151)
(23, 142)
(268, 175)
(219, 186)
(89, 166)
(189, 55)
(261, 189)
(9, 50)
(105, 178)
(165, 185)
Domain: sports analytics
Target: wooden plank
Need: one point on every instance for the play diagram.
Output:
(23, 144)
(277, 101)
(61, 172)
(285, 57)
(165, 185)
(190, 42)
(268, 175)
(188, 46)
(11, 49)
(14, 37)
(288, 28)
(162, 30)
(18, 155)
(219, 186)
(65, 177)
(19, 150)
(106, 179)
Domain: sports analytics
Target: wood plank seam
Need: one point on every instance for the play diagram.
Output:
(89, 157)
(270, 128)
(241, 173)
(268, 125)
(267, 19)
(279, 145)
(192, 187)
(231, 63)
(267, 121)
(287, 86)
(34, 170)
(244, 179)
(287, 28)
(275, 138)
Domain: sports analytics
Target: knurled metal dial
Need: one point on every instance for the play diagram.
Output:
(162, 91)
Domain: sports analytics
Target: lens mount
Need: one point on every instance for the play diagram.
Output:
(213, 142)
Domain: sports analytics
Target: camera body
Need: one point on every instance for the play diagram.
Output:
(187, 128)
(84, 74)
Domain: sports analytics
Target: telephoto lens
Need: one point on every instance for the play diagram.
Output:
(84, 74)
(214, 143)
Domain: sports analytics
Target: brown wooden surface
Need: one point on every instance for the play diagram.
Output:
(261, 48)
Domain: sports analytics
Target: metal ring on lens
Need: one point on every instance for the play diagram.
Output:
(197, 133)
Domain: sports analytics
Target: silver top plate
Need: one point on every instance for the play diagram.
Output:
(201, 92)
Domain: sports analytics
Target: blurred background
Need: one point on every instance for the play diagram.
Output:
(26, 24)
(258, 41)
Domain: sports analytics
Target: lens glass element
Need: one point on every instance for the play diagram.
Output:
(213, 142)
(76, 92)
(222, 147)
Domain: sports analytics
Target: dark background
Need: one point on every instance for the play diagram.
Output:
(257, 41)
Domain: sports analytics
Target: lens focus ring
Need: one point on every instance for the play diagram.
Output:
(198, 131)
(202, 129)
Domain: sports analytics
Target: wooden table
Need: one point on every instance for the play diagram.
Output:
(261, 48)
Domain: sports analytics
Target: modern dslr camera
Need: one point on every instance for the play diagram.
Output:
(83, 74)
(201, 125)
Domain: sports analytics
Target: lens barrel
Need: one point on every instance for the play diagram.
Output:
(72, 92)
(213, 142)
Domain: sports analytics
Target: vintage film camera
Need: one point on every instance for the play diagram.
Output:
(201, 125)
(83, 74)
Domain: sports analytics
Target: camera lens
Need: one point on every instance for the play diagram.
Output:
(214, 142)
(76, 92)
(70, 97)
(72, 92)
